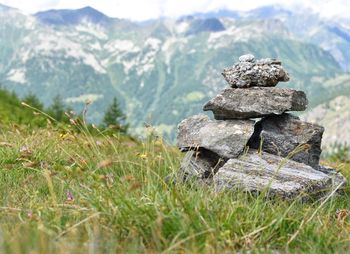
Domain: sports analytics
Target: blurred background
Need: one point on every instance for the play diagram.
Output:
(160, 61)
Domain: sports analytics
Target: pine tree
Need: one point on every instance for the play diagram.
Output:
(57, 109)
(33, 101)
(115, 118)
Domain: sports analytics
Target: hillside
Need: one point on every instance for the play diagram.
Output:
(12, 112)
(75, 193)
(335, 117)
(74, 187)
(161, 70)
(334, 112)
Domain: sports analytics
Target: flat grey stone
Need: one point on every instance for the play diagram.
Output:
(278, 176)
(338, 180)
(200, 165)
(254, 102)
(225, 138)
(285, 135)
(248, 72)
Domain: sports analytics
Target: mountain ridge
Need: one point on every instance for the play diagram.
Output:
(301, 22)
(72, 17)
(145, 64)
(5, 7)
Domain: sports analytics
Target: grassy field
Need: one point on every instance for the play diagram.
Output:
(62, 192)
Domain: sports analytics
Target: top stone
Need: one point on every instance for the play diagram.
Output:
(247, 58)
(249, 72)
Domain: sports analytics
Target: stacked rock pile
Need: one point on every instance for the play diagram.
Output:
(278, 153)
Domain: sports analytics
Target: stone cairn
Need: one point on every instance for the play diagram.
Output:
(278, 154)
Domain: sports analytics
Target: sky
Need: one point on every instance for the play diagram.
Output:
(148, 9)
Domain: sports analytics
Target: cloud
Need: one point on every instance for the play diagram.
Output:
(31, 6)
(147, 9)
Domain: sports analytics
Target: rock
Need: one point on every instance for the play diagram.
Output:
(244, 103)
(286, 135)
(225, 138)
(278, 176)
(247, 58)
(248, 72)
(200, 165)
(338, 180)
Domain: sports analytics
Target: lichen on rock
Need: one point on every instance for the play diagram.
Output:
(249, 72)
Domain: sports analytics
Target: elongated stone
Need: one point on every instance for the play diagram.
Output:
(338, 180)
(200, 165)
(225, 138)
(277, 176)
(249, 72)
(286, 135)
(254, 102)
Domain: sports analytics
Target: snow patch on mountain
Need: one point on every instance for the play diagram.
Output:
(154, 43)
(84, 98)
(169, 47)
(129, 64)
(17, 76)
(168, 50)
(143, 62)
(233, 34)
(146, 64)
(96, 46)
(145, 68)
(30, 23)
(121, 45)
(182, 27)
(51, 45)
(93, 29)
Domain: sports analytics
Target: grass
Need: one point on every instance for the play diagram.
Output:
(63, 192)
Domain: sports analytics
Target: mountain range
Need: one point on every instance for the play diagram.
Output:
(165, 69)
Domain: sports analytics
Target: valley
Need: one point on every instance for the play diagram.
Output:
(166, 69)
